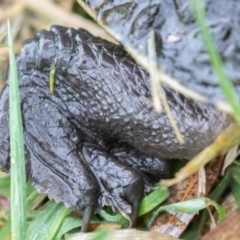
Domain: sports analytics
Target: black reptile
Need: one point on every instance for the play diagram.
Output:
(181, 51)
(97, 140)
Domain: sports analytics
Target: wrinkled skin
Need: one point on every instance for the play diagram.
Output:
(97, 140)
(181, 51)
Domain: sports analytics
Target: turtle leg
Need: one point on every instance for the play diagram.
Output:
(4, 131)
(151, 166)
(53, 162)
(121, 186)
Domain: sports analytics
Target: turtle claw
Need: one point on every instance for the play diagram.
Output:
(134, 195)
(87, 213)
(134, 214)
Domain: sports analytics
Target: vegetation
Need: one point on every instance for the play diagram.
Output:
(48, 220)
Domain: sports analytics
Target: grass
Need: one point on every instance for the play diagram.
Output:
(18, 175)
(52, 220)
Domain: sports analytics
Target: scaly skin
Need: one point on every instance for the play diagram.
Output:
(97, 140)
(181, 51)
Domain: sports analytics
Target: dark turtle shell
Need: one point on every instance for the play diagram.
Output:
(181, 52)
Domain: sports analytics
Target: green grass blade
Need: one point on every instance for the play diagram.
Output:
(215, 58)
(5, 185)
(67, 224)
(214, 195)
(153, 200)
(18, 175)
(235, 191)
(235, 184)
(47, 222)
(32, 197)
(115, 218)
(191, 206)
(5, 231)
(51, 76)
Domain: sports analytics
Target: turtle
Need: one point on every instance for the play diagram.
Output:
(97, 140)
